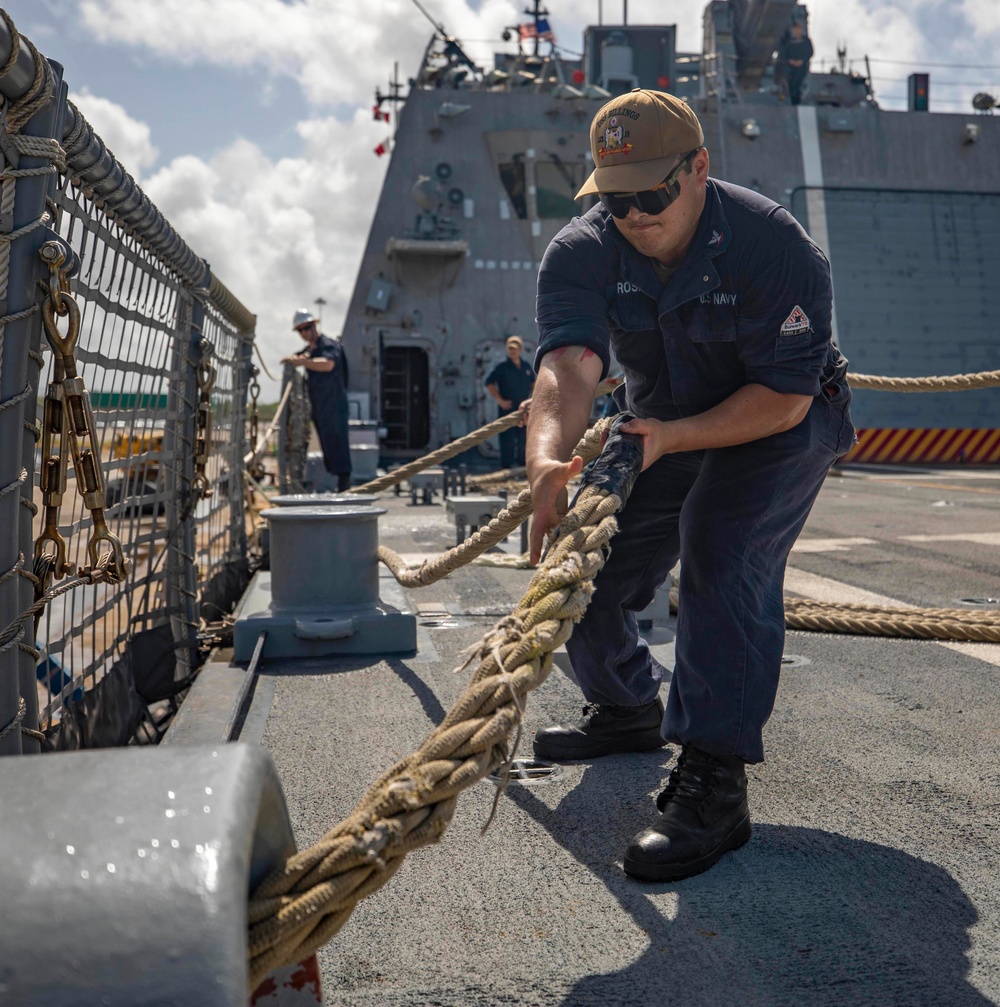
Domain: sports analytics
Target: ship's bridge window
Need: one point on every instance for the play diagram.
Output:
(513, 178)
(556, 183)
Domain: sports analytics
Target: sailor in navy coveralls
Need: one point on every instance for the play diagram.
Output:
(717, 307)
(510, 383)
(325, 364)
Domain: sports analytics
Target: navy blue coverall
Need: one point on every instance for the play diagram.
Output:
(328, 397)
(750, 303)
(514, 382)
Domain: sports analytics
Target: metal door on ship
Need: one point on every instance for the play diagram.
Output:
(405, 398)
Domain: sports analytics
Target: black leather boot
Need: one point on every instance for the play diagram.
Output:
(703, 814)
(602, 730)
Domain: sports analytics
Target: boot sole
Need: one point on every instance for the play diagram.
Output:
(644, 871)
(638, 743)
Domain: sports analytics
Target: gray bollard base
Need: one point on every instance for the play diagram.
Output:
(319, 632)
(127, 871)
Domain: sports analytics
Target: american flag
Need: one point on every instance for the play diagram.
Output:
(540, 30)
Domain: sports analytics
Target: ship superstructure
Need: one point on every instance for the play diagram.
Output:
(487, 160)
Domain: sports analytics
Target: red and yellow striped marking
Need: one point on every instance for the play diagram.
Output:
(925, 446)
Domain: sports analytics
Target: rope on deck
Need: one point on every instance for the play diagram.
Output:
(901, 621)
(303, 903)
(945, 383)
(876, 620)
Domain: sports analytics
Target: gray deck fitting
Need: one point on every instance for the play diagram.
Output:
(323, 499)
(321, 595)
(472, 512)
(319, 632)
(127, 872)
(426, 484)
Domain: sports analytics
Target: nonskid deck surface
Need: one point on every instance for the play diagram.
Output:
(873, 874)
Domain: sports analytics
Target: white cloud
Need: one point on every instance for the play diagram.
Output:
(333, 48)
(984, 20)
(280, 233)
(129, 139)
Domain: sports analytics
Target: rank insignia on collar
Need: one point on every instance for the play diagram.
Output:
(796, 323)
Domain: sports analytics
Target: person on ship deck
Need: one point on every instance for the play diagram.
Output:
(717, 306)
(325, 364)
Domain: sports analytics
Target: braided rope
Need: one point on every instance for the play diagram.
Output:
(456, 447)
(304, 902)
(16, 114)
(899, 621)
(517, 511)
(947, 383)
(22, 709)
(876, 620)
(504, 477)
(98, 574)
(470, 440)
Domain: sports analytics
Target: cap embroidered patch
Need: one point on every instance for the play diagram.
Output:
(795, 323)
(614, 139)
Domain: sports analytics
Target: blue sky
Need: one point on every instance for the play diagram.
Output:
(248, 122)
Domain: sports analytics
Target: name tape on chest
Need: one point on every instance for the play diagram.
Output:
(796, 323)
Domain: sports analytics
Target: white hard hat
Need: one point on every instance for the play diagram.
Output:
(302, 316)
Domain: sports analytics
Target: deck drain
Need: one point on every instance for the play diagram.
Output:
(529, 772)
(794, 661)
(980, 602)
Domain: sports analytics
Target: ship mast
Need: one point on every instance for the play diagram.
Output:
(537, 13)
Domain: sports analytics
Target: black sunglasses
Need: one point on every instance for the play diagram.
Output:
(651, 201)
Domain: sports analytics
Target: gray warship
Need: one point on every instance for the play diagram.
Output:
(486, 161)
(220, 702)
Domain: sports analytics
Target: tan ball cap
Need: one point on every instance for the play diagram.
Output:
(635, 140)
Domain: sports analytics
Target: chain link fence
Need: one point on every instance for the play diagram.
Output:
(164, 351)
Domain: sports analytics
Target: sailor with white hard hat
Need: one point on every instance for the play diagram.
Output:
(325, 364)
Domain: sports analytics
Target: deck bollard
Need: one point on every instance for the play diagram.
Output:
(323, 499)
(321, 594)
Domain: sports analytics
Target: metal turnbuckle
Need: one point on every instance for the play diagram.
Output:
(203, 423)
(70, 417)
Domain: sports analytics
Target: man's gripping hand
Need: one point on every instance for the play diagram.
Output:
(550, 499)
(655, 438)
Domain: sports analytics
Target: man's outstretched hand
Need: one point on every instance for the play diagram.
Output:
(550, 500)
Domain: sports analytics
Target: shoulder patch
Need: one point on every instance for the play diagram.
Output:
(796, 323)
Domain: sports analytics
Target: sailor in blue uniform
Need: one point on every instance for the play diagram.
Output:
(326, 382)
(717, 307)
(510, 383)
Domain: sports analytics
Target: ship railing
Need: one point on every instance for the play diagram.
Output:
(164, 351)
